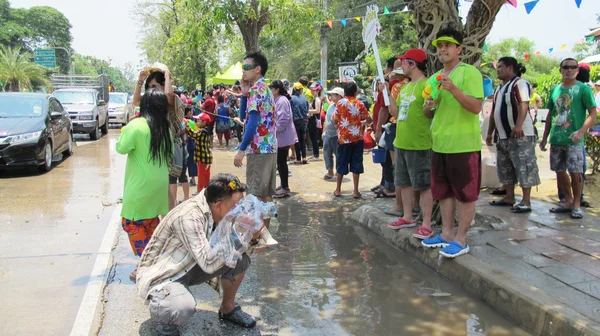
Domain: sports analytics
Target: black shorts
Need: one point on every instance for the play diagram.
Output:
(182, 178)
(350, 158)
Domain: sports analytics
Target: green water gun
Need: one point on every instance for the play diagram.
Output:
(433, 88)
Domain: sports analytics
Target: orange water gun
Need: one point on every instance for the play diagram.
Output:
(433, 88)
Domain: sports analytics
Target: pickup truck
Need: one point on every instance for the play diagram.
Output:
(85, 98)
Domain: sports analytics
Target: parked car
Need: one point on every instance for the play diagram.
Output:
(85, 98)
(33, 128)
(120, 110)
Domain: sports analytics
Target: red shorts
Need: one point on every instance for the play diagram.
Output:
(456, 175)
(139, 231)
(203, 176)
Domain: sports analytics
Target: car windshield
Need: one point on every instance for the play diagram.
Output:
(118, 98)
(19, 107)
(74, 97)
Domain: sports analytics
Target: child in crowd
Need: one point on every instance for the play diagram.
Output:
(203, 151)
(191, 146)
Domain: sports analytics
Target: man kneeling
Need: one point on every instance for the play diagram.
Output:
(178, 256)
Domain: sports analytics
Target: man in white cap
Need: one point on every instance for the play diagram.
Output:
(330, 139)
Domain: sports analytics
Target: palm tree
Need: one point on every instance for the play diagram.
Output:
(17, 71)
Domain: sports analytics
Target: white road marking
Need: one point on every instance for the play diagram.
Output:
(95, 285)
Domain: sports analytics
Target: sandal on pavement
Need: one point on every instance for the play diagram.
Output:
(381, 194)
(520, 208)
(422, 233)
(328, 177)
(436, 241)
(281, 193)
(401, 223)
(498, 192)
(394, 213)
(577, 214)
(560, 209)
(454, 249)
(359, 196)
(501, 203)
(375, 188)
(239, 317)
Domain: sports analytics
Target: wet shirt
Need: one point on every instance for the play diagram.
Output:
(569, 108)
(413, 128)
(349, 113)
(146, 187)
(260, 99)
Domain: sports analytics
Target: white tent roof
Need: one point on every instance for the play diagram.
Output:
(591, 59)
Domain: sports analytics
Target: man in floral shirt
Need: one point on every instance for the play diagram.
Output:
(260, 130)
(349, 118)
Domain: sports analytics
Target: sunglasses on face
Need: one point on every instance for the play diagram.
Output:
(247, 67)
(569, 67)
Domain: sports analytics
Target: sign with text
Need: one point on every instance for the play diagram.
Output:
(45, 57)
(348, 71)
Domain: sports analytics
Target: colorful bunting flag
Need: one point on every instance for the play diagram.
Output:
(591, 38)
(578, 3)
(343, 21)
(357, 18)
(562, 47)
(530, 5)
(512, 2)
(329, 81)
(405, 9)
(550, 50)
(579, 42)
(526, 57)
(387, 11)
(538, 52)
(330, 23)
(483, 64)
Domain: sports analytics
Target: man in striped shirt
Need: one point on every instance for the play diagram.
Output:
(516, 158)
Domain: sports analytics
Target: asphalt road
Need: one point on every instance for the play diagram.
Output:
(51, 226)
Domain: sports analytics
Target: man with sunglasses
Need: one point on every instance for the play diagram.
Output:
(259, 143)
(565, 130)
(178, 257)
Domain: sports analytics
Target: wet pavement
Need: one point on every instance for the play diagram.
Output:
(51, 227)
(326, 276)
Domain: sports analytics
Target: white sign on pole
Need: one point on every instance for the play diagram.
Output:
(372, 28)
(347, 72)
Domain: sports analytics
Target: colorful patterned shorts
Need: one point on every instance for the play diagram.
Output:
(140, 232)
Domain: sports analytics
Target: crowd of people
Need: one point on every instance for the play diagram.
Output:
(432, 143)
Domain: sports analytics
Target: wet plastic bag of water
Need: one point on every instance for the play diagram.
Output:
(234, 232)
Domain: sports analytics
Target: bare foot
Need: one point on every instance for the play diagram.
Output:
(337, 193)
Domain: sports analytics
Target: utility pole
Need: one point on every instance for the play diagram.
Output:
(324, 42)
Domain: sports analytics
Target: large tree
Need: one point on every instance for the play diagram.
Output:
(433, 15)
(17, 71)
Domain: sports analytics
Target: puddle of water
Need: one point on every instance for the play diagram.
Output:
(331, 276)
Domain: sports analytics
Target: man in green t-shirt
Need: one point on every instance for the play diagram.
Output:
(567, 104)
(412, 144)
(456, 135)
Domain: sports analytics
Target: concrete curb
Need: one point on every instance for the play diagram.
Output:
(527, 306)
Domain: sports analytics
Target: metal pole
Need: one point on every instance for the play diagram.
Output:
(324, 45)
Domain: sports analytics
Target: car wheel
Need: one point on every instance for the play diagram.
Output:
(104, 127)
(69, 150)
(47, 157)
(95, 135)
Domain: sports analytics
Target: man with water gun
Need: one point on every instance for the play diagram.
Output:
(456, 135)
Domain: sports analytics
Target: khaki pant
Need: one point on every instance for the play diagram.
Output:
(173, 304)
(261, 174)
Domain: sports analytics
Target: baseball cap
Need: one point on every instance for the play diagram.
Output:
(337, 91)
(204, 117)
(417, 55)
(315, 86)
(584, 66)
(598, 83)
(298, 86)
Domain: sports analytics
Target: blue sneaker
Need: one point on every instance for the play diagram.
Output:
(454, 249)
(434, 242)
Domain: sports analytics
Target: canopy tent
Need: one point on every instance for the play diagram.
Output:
(591, 59)
(234, 73)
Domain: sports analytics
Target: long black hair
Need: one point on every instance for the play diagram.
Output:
(518, 68)
(153, 108)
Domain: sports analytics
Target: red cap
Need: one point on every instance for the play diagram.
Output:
(205, 118)
(190, 102)
(584, 66)
(417, 55)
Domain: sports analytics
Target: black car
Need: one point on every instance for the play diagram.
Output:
(33, 128)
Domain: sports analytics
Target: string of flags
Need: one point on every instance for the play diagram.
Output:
(346, 21)
(529, 5)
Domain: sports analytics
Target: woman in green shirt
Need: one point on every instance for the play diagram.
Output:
(148, 143)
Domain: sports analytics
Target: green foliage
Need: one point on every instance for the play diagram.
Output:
(36, 27)
(17, 71)
(89, 65)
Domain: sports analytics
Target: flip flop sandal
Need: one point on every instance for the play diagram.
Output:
(357, 197)
(501, 203)
(374, 189)
(239, 317)
(586, 204)
(337, 195)
(422, 233)
(498, 192)
(577, 214)
(328, 177)
(382, 194)
(394, 213)
(560, 209)
(520, 208)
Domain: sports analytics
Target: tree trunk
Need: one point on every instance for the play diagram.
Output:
(432, 15)
(250, 26)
